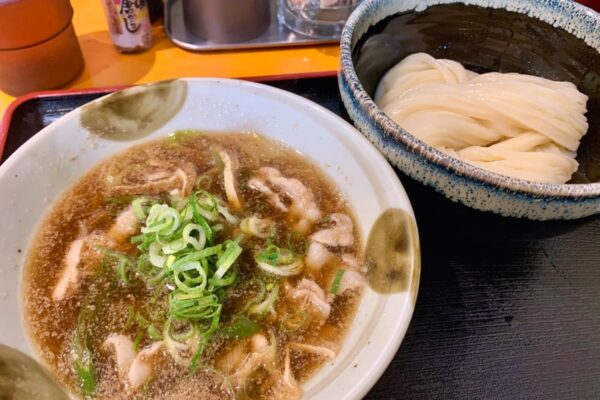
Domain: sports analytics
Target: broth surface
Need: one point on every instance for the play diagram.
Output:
(101, 304)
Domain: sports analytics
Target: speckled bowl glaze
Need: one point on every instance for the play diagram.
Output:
(557, 39)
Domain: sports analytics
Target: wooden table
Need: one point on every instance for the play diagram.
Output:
(104, 66)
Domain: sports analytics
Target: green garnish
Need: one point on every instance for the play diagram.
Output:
(85, 371)
(81, 354)
(184, 135)
(199, 218)
(277, 261)
(260, 309)
(241, 328)
(180, 252)
(270, 255)
(335, 286)
(138, 208)
(123, 261)
(154, 333)
(139, 335)
(275, 255)
(295, 322)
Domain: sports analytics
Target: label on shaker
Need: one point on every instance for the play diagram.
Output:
(128, 23)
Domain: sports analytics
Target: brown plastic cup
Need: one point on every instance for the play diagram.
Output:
(38, 46)
(226, 21)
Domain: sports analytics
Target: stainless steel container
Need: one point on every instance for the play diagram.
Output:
(227, 21)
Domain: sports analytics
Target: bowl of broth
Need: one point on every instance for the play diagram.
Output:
(205, 238)
(493, 103)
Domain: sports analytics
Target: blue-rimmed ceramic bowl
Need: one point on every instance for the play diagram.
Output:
(556, 39)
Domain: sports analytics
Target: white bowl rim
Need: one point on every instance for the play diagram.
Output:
(388, 350)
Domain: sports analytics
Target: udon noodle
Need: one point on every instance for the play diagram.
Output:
(513, 124)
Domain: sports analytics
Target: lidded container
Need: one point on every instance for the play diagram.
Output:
(38, 46)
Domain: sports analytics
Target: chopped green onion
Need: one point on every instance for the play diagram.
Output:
(173, 247)
(282, 270)
(295, 322)
(188, 237)
(138, 339)
(181, 259)
(242, 328)
(82, 355)
(122, 272)
(335, 286)
(155, 255)
(154, 333)
(183, 135)
(199, 219)
(227, 280)
(254, 226)
(190, 332)
(204, 339)
(138, 209)
(170, 260)
(217, 227)
(144, 240)
(208, 205)
(124, 261)
(197, 255)
(114, 254)
(173, 342)
(270, 255)
(226, 214)
(250, 286)
(175, 339)
(138, 238)
(85, 372)
(266, 305)
(162, 220)
(275, 255)
(193, 306)
(189, 283)
(130, 317)
(231, 253)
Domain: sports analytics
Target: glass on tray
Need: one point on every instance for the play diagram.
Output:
(316, 18)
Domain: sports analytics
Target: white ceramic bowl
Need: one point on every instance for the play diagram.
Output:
(37, 173)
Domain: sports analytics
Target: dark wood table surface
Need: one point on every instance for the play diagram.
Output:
(507, 308)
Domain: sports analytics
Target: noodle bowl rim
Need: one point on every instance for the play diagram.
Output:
(364, 17)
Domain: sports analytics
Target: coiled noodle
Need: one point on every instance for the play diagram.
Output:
(513, 124)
